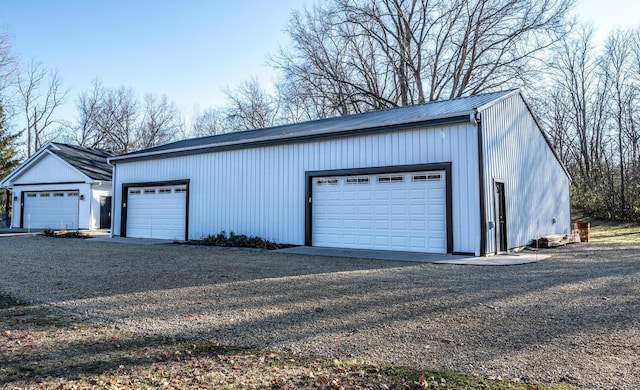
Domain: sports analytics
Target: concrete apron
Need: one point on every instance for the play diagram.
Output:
(130, 240)
(12, 232)
(436, 258)
(501, 259)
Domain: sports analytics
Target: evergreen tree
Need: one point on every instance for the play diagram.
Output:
(8, 157)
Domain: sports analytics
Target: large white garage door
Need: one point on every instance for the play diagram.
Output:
(51, 209)
(398, 211)
(157, 212)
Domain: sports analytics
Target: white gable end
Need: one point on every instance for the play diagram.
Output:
(50, 169)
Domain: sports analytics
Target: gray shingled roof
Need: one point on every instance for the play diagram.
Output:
(91, 162)
(431, 111)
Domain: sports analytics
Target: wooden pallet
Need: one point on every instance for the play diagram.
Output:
(556, 240)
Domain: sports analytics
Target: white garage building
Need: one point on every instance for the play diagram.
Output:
(61, 187)
(472, 175)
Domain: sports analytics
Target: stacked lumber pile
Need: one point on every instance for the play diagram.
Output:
(556, 240)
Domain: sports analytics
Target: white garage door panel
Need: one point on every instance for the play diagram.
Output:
(51, 209)
(403, 211)
(157, 212)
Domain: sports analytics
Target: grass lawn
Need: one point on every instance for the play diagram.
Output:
(609, 232)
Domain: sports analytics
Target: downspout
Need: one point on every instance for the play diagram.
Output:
(113, 196)
(476, 118)
(8, 206)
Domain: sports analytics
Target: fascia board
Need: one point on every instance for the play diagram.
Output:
(293, 138)
(498, 100)
(25, 165)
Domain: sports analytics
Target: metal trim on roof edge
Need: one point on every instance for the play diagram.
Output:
(279, 140)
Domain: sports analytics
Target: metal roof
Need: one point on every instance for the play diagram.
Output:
(91, 162)
(343, 126)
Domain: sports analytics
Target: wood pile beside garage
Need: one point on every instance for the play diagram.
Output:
(556, 240)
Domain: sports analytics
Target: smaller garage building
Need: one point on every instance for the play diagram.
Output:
(62, 187)
(473, 175)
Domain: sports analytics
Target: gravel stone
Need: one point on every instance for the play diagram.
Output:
(574, 318)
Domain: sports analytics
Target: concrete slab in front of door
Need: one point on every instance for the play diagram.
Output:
(11, 232)
(502, 259)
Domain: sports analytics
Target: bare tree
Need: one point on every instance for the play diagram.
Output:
(211, 121)
(160, 122)
(575, 113)
(576, 82)
(41, 94)
(87, 132)
(360, 55)
(592, 116)
(9, 140)
(623, 82)
(115, 119)
(8, 68)
(249, 106)
(322, 71)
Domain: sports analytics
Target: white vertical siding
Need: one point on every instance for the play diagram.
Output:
(536, 187)
(261, 191)
(50, 169)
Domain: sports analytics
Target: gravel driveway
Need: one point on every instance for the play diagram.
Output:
(574, 318)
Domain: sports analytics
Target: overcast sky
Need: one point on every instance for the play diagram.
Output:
(189, 50)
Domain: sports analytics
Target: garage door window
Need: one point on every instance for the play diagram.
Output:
(180, 189)
(390, 179)
(31, 195)
(327, 181)
(44, 194)
(427, 177)
(72, 193)
(357, 180)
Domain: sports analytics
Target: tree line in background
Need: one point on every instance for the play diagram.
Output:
(115, 119)
(352, 56)
(9, 156)
(591, 112)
